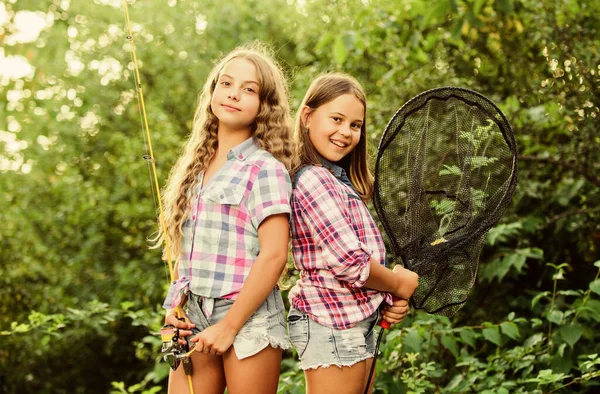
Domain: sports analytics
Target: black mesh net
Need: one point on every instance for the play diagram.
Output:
(446, 169)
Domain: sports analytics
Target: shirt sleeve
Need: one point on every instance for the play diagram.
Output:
(271, 192)
(323, 210)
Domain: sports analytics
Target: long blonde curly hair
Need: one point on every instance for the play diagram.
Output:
(271, 130)
(322, 90)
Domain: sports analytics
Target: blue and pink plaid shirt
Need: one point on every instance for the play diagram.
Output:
(220, 235)
(333, 239)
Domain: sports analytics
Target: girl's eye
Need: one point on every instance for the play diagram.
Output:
(355, 126)
(225, 83)
(336, 119)
(251, 90)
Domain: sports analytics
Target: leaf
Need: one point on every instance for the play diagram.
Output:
(539, 296)
(533, 340)
(511, 330)
(591, 310)
(482, 161)
(468, 336)
(412, 341)
(324, 41)
(340, 52)
(437, 12)
(556, 317)
(506, 6)
(515, 260)
(450, 343)
(570, 334)
(562, 364)
(597, 264)
(595, 286)
(477, 6)
(503, 232)
(492, 334)
(454, 383)
(450, 170)
(575, 293)
(535, 322)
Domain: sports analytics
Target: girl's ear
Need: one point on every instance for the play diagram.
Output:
(305, 116)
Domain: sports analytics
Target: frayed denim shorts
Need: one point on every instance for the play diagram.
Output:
(266, 327)
(319, 346)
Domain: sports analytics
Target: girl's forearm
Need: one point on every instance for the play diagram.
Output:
(401, 282)
(382, 278)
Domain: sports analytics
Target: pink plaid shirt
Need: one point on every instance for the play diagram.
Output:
(220, 235)
(333, 239)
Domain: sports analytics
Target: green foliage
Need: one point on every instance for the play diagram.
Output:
(79, 283)
(515, 355)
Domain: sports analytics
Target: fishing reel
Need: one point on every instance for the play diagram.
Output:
(174, 352)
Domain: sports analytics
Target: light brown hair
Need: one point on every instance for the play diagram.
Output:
(324, 89)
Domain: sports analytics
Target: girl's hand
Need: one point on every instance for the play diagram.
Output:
(215, 339)
(184, 326)
(408, 282)
(397, 312)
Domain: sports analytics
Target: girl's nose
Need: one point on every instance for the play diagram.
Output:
(234, 94)
(345, 130)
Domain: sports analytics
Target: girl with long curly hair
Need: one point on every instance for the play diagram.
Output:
(227, 221)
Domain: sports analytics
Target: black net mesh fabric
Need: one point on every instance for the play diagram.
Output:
(446, 169)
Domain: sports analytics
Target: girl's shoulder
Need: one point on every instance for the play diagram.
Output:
(311, 176)
(264, 159)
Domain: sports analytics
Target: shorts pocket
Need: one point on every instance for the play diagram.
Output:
(299, 330)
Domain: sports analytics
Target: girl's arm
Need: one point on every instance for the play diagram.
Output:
(273, 237)
(400, 282)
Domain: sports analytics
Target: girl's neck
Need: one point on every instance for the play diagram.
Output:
(228, 139)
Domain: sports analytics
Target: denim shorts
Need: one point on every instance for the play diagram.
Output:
(319, 346)
(265, 327)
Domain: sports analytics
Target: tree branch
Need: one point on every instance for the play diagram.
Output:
(580, 211)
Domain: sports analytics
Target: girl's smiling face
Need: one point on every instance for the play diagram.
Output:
(335, 127)
(235, 100)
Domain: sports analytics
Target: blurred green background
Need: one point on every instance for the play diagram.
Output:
(80, 291)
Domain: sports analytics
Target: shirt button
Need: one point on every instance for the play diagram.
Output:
(194, 217)
(222, 196)
(240, 157)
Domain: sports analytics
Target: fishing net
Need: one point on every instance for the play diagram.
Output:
(446, 169)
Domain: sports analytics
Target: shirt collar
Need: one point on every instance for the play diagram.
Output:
(243, 150)
(337, 171)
